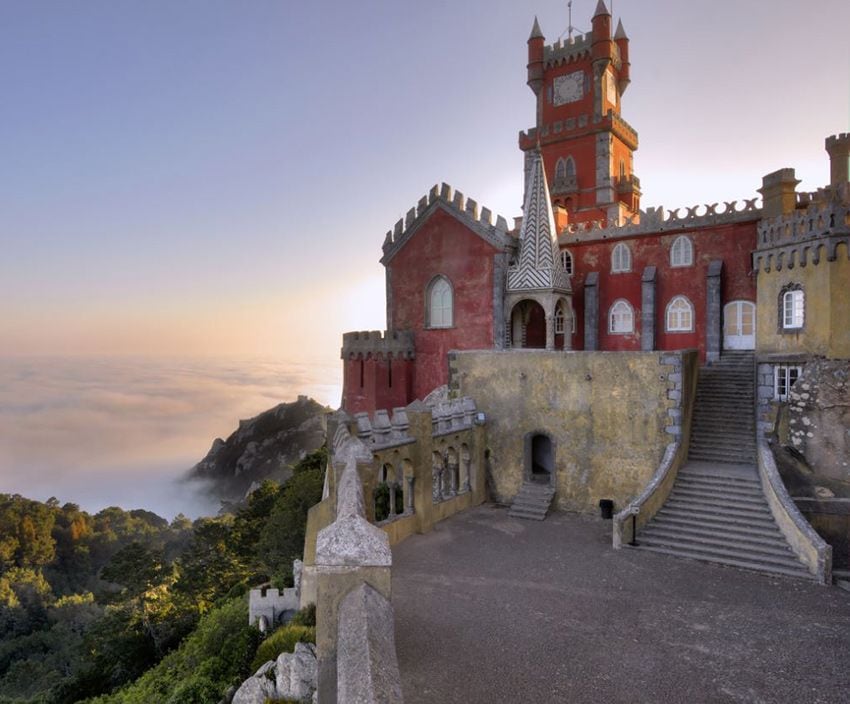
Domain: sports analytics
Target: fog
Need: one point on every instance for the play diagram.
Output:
(123, 431)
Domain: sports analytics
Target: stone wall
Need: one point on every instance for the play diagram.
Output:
(609, 416)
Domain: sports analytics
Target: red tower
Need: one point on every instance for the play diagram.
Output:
(587, 147)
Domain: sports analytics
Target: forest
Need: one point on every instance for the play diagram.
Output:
(123, 606)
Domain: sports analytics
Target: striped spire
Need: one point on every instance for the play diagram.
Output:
(538, 266)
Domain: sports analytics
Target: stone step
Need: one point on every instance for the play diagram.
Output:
(719, 509)
(765, 546)
(713, 519)
(757, 566)
(740, 531)
(532, 501)
(787, 561)
(733, 456)
(720, 489)
(529, 515)
(727, 498)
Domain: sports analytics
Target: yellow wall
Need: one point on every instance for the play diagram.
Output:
(826, 328)
(607, 413)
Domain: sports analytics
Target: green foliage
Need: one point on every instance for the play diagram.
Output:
(305, 617)
(282, 640)
(215, 656)
(25, 532)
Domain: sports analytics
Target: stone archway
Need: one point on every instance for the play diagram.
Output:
(528, 325)
(539, 458)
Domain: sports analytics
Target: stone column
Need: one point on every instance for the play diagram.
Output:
(392, 487)
(591, 312)
(409, 507)
(550, 332)
(647, 310)
(713, 311)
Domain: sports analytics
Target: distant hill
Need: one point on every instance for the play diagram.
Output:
(263, 447)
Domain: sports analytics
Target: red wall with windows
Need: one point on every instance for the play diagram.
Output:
(730, 243)
(443, 245)
(376, 382)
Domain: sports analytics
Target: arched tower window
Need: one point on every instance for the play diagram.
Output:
(621, 318)
(622, 169)
(560, 169)
(680, 315)
(621, 259)
(682, 252)
(559, 319)
(567, 261)
(440, 303)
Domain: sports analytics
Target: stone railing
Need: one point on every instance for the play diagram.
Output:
(355, 637)
(807, 545)
(452, 416)
(682, 379)
(654, 220)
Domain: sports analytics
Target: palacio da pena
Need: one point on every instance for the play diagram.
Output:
(684, 371)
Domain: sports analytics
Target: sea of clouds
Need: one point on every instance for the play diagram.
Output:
(123, 431)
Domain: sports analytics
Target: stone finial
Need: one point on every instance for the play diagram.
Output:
(620, 33)
(601, 9)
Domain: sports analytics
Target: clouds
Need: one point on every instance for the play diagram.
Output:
(101, 431)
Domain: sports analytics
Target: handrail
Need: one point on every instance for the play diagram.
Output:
(808, 546)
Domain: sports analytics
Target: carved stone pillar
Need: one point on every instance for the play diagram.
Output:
(550, 332)
(647, 310)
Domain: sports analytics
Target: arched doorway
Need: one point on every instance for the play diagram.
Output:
(528, 325)
(539, 458)
(739, 326)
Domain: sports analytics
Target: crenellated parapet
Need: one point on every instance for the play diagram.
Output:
(374, 343)
(382, 431)
(454, 415)
(479, 220)
(557, 130)
(568, 51)
(655, 220)
(820, 222)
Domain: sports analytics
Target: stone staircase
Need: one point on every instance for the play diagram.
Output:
(716, 511)
(532, 501)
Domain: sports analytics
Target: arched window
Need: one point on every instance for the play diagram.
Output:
(560, 170)
(571, 167)
(559, 319)
(621, 318)
(440, 303)
(682, 252)
(621, 259)
(622, 169)
(567, 261)
(793, 307)
(680, 315)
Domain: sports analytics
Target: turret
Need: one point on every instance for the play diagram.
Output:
(838, 148)
(778, 193)
(535, 58)
(622, 42)
(601, 48)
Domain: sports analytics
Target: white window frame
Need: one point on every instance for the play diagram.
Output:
(793, 309)
(567, 261)
(682, 252)
(442, 314)
(677, 324)
(620, 308)
(621, 259)
(559, 320)
(783, 381)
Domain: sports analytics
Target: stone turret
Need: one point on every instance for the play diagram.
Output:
(622, 41)
(535, 58)
(778, 192)
(838, 148)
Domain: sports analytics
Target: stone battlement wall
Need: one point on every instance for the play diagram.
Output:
(530, 138)
(359, 345)
(653, 221)
(455, 202)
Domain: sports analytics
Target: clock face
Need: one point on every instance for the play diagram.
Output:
(569, 88)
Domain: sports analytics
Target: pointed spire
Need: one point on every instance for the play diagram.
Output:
(601, 9)
(535, 30)
(620, 33)
(539, 264)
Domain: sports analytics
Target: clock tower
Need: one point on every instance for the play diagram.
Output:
(587, 147)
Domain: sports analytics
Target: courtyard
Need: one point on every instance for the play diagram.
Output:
(495, 609)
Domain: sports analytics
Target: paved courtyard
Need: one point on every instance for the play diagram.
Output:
(493, 609)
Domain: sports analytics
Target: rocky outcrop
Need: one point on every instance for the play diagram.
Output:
(291, 677)
(819, 421)
(264, 447)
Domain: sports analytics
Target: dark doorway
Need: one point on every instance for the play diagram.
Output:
(528, 325)
(542, 459)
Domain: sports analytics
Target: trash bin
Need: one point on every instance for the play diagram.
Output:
(606, 508)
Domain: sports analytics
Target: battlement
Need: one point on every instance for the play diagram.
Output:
(267, 607)
(838, 148)
(466, 209)
(562, 52)
(653, 220)
(838, 142)
(821, 219)
(555, 131)
(454, 415)
(374, 343)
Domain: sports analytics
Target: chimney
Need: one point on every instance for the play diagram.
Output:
(779, 193)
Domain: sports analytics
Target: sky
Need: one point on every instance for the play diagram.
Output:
(205, 180)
